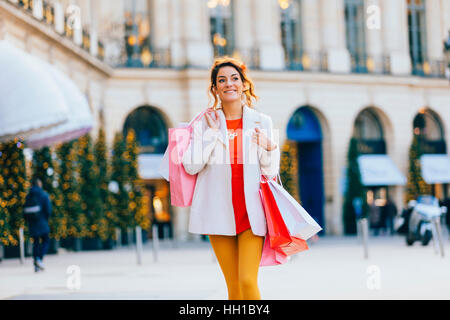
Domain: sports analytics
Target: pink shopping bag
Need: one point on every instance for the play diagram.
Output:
(182, 184)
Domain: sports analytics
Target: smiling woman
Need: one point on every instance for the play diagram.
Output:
(226, 204)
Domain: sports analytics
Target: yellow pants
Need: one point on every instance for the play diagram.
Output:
(239, 258)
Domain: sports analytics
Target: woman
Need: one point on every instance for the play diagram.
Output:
(231, 146)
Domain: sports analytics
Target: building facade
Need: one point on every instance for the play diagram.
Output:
(324, 70)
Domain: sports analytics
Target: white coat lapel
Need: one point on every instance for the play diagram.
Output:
(249, 150)
(223, 137)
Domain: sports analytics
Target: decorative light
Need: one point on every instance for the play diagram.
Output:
(284, 4)
(370, 64)
(146, 57)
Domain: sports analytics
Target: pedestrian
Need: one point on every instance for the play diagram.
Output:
(389, 213)
(37, 211)
(229, 149)
(375, 219)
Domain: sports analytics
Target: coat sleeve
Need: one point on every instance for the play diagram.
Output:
(203, 140)
(270, 160)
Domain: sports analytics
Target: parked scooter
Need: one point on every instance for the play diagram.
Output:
(420, 226)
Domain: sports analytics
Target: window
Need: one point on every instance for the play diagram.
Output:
(417, 36)
(354, 27)
(221, 26)
(430, 131)
(137, 34)
(150, 127)
(291, 33)
(369, 132)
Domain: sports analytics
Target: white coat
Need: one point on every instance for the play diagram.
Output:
(208, 156)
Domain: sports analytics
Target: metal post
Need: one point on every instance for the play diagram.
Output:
(365, 234)
(22, 246)
(155, 242)
(139, 244)
(118, 238)
(438, 231)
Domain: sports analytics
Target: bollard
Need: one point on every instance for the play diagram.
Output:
(437, 232)
(118, 238)
(365, 236)
(155, 242)
(22, 246)
(139, 244)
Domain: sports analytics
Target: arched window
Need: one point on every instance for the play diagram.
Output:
(429, 129)
(356, 41)
(417, 36)
(221, 26)
(150, 128)
(291, 33)
(369, 132)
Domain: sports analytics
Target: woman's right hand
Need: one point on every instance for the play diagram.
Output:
(213, 123)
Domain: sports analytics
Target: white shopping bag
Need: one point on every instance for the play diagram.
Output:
(297, 220)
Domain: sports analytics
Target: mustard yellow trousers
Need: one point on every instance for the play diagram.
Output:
(239, 258)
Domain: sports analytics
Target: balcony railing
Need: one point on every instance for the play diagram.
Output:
(430, 68)
(53, 14)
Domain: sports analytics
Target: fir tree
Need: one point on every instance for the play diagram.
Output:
(415, 185)
(289, 169)
(14, 190)
(104, 218)
(119, 179)
(137, 206)
(89, 184)
(5, 228)
(354, 189)
(68, 183)
(43, 167)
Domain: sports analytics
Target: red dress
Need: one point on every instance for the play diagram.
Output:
(237, 175)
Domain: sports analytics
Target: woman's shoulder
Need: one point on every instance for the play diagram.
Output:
(264, 118)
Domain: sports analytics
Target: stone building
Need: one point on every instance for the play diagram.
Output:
(325, 70)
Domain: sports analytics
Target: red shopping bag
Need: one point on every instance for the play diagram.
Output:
(279, 242)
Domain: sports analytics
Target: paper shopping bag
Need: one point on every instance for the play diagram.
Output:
(271, 257)
(182, 184)
(299, 223)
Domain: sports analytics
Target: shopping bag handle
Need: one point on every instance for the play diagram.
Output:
(199, 116)
(264, 179)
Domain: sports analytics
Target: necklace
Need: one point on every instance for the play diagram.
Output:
(231, 133)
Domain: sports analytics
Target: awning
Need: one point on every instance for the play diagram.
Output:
(30, 100)
(80, 119)
(435, 168)
(379, 170)
(149, 166)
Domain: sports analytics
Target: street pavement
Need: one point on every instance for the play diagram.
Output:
(333, 268)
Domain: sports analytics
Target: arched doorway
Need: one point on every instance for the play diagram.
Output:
(429, 130)
(379, 174)
(151, 128)
(304, 128)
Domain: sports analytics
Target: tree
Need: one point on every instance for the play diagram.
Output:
(14, 187)
(68, 183)
(415, 184)
(119, 196)
(138, 203)
(289, 169)
(43, 167)
(354, 189)
(88, 174)
(104, 217)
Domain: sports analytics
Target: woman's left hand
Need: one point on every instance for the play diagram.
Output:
(261, 139)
